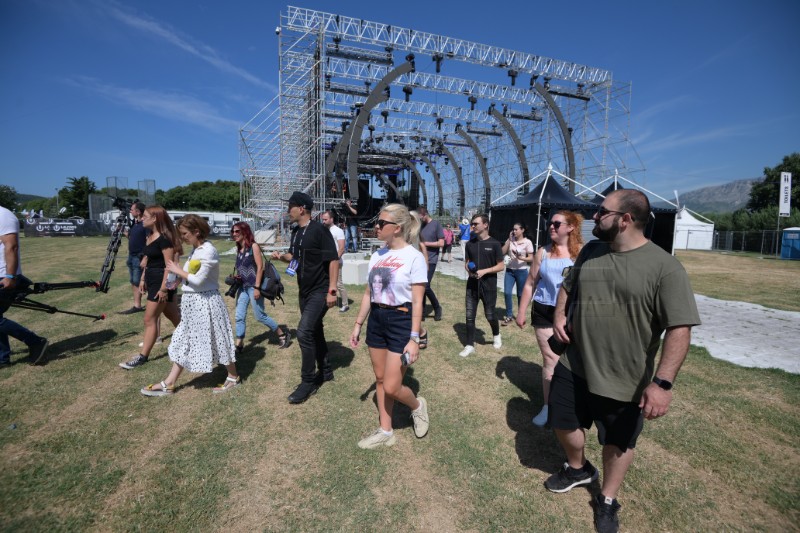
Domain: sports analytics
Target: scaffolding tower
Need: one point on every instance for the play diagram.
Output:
(424, 118)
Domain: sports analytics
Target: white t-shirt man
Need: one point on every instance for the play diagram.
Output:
(338, 238)
(392, 272)
(8, 225)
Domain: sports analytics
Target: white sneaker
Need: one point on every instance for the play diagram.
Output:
(467, 351)
(159, 340)
(498, 342)
(420, 418)
(541, 419)
(376, 439)
(344, 308)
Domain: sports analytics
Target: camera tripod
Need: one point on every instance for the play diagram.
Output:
(18, 296)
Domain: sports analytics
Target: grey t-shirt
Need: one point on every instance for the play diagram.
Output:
(432, 231)
(625, 301)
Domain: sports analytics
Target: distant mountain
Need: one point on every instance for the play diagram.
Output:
(717, 199)
(25, 198)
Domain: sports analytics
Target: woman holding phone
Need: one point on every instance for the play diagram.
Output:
(519, 251)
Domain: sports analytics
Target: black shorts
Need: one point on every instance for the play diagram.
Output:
(542, 315)
(447, 249)
(152, 280)
(389, 328)
(572, 406)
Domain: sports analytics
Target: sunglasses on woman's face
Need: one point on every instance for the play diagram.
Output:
(555, 223)
(381, 223)
(235, 232)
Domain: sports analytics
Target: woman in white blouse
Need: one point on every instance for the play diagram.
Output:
(204, 336)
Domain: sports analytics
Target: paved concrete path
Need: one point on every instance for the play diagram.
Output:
(745, 334)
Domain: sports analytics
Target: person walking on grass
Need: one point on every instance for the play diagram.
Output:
(623, 293)
(519, 250)
(312, 255)
(10, 271)
(162, 245)
(250, 267)
(137, 237)
(338, 237)
(483, 260)
(542, 284)
(432, 237)
(204, 337)
(397, 274)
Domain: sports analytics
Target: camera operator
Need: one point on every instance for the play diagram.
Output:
(10, 269)
(137, 236)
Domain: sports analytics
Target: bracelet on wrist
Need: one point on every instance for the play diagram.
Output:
(359, 324)
(415, 333)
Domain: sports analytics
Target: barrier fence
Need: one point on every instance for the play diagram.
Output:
(764, 242)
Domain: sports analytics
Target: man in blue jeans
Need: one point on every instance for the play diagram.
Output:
(10, 270)
(137, 236)
(312, 255)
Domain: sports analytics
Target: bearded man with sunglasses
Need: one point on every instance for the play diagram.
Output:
(621, 295)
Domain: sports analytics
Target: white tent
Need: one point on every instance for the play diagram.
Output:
(691, 233)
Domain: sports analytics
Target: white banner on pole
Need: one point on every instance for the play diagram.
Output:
(785, 199)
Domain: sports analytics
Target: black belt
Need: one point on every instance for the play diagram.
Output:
(404, 308)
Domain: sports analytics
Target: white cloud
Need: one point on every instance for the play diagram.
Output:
(173, 106)
(164, 32)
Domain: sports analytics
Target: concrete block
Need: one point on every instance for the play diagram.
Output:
(355, 272)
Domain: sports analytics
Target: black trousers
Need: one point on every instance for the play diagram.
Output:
(488, 294)
(311, 336)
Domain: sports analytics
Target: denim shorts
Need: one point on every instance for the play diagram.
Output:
(389, 328)
(135, 270)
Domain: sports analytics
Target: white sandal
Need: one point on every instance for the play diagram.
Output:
(163, 391)
(230, 383)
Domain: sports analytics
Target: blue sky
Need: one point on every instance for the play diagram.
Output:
(158, 90)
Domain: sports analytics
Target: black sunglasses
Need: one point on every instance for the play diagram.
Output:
(555, 223)
(602, 211)
(381, 223)
(474, 224)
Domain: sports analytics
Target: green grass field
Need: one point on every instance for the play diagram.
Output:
(81, 449)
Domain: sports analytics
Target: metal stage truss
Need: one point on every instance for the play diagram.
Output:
(371, 108)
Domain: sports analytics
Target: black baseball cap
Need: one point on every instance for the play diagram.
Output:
(301, 199)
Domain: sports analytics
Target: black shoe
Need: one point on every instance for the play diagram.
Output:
(437, 314)
(303, 392)
(568, 478)
(284, 340)
(37, 352)
(605, 514)
(131, 311)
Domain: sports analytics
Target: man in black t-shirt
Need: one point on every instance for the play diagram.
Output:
(313, 256)
(484, 259)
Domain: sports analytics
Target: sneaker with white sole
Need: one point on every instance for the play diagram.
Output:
(138, 360)
(420, 418)
(159, 340)
(377, 439)
(467, 351)
(540, 420)
(497, 342)
(344, 308)
(605, 514)
(567, 478)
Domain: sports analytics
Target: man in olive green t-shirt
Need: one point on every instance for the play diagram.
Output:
(621, 295)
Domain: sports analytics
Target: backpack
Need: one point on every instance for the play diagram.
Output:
(271, 286)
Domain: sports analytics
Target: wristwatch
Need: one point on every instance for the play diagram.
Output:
(663, 383)
(414, 339)
(332, 292)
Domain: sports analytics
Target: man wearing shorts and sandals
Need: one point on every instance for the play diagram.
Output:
(621, 295)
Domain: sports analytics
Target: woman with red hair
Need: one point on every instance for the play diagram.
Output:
(250, 268)
(162, 245)
(543, 283)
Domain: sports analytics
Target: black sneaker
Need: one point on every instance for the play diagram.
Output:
(321, 378)
(139, 360)
(284, 340)
(303, 392)
(568, 478)
(437, 314)
(37, 351)
(605, 514)
(131, 311)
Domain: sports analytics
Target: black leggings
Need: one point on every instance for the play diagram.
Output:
(489, 296)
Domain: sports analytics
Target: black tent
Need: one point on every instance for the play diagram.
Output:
(661, 227)
(534, 210)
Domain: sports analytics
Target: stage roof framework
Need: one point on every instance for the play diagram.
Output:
(424, 117)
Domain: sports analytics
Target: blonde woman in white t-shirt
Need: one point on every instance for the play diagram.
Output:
(398, 274)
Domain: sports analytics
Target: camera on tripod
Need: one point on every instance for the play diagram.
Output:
(235, 283)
